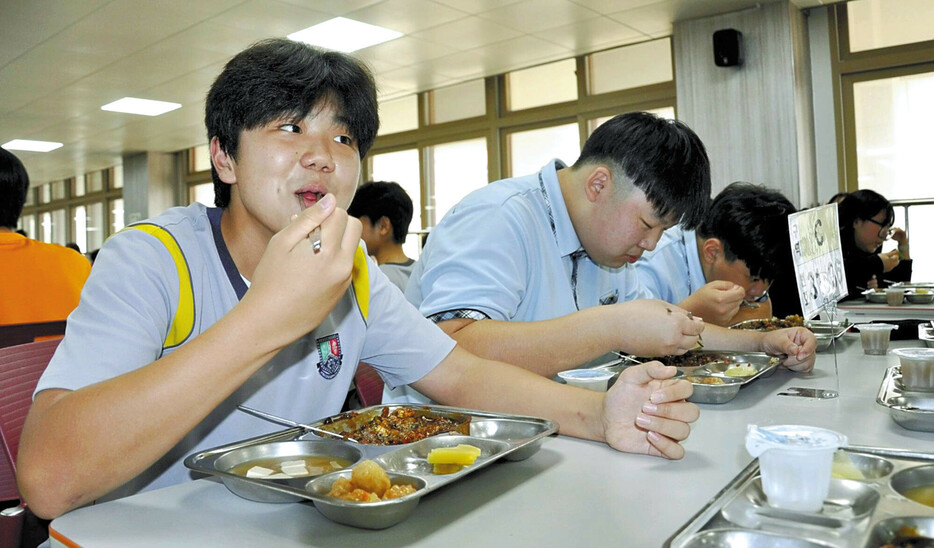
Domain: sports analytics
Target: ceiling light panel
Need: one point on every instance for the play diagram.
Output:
(146, 107)
(344, 35)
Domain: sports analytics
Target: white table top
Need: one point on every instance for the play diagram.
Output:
(570, 493)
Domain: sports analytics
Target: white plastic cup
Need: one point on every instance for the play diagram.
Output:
(795, 463)
(917, 367)
(875, 337)
(894, 296)
(591, 379)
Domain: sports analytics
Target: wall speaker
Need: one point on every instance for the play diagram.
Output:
(728, 48)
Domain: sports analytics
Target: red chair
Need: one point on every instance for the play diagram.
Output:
(22, 333)
(20, 369)
(369, 385)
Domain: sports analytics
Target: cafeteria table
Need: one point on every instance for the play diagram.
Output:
(570, 493)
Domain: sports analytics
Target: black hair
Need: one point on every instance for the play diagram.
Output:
(283, 79)
(752, 223)
(663, 158)
(861, 205)
(14, 184)
(377, 199)
(837, 198)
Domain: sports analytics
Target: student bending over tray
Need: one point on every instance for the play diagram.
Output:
(191, 313)
(536, 270)
(722, 270)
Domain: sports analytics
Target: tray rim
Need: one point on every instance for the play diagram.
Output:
(889, 389)
(716, 504)
(197, 460)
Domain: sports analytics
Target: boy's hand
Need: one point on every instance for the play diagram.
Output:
(797, 343)
(649, 327)
(717, 301)
(645, 411)
(293, 288)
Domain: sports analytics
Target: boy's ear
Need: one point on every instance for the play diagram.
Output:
(598, 183)
(384, 227)
(224, 164)
(710, 249)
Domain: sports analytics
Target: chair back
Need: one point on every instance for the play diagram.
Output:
(20, 369)
(22, 333)
(369, 385)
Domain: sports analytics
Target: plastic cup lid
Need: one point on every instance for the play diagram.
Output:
(875, 326)
(914, 353)
(585, 374)
(792, 436)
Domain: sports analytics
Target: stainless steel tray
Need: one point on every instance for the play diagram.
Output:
(499, 436)
(866, 512)
(763, 364)
(909, 409)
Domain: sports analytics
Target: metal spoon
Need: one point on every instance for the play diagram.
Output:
(748, 304)
(316, 233)
(286, 422)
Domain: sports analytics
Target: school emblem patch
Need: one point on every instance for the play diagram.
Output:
(330, 355)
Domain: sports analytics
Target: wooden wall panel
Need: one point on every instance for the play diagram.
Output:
(750, 117)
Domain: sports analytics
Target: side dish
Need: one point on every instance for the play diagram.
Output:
(369, 483)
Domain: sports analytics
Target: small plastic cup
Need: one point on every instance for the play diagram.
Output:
(795, 463)
(591, 379)
(875, 337)
(917, 367)
(894, 296)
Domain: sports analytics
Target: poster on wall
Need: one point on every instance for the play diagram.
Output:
(818, 258)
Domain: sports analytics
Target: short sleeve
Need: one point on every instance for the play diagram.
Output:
(123, 317)
(401, 344)
(476, 259)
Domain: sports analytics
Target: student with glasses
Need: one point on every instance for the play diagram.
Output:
(866, 219)
(722, 271)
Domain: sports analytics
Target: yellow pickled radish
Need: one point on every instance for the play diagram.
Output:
(443, 469)
(462, 454)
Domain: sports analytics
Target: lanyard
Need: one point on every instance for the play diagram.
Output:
(574, 256)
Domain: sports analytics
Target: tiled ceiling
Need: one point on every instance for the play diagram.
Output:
(60, 61)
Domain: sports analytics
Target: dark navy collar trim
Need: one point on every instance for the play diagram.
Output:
(214, 215)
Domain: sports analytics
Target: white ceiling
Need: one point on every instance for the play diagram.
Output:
(61, 60)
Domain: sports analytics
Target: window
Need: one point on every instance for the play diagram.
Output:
(116, 215)
(203, 193)
(465, 100)
(458, 169)
(28, 224)
(530, 150)
(398, 115)
(877, 24)
(402, 167)
(893, 140)
(543, 85)
(630, 66)
(200, 158)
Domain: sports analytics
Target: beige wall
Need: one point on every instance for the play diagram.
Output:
(755, 119)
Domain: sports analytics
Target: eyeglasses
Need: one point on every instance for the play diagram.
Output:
(886, 231)
(754, 302)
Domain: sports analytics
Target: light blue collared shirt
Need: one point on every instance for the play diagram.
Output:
(672, 271)
(499, 252)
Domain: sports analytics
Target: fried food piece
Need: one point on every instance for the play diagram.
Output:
(371, 477)
(704, 380)
(398, 491)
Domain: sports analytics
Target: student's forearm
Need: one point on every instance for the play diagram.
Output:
(499, 387)
(78, 446)
(543, 347)
(722, 338)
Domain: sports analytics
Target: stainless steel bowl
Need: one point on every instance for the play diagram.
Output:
(714, 393)
(875, 296)
(367, 515)
(263, 490)
(920, 298)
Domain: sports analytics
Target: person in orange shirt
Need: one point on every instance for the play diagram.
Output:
(39, 282)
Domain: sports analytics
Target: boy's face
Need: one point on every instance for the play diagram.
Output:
(738, 273)
(285, 166)
(622, 228)
(370, 235)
